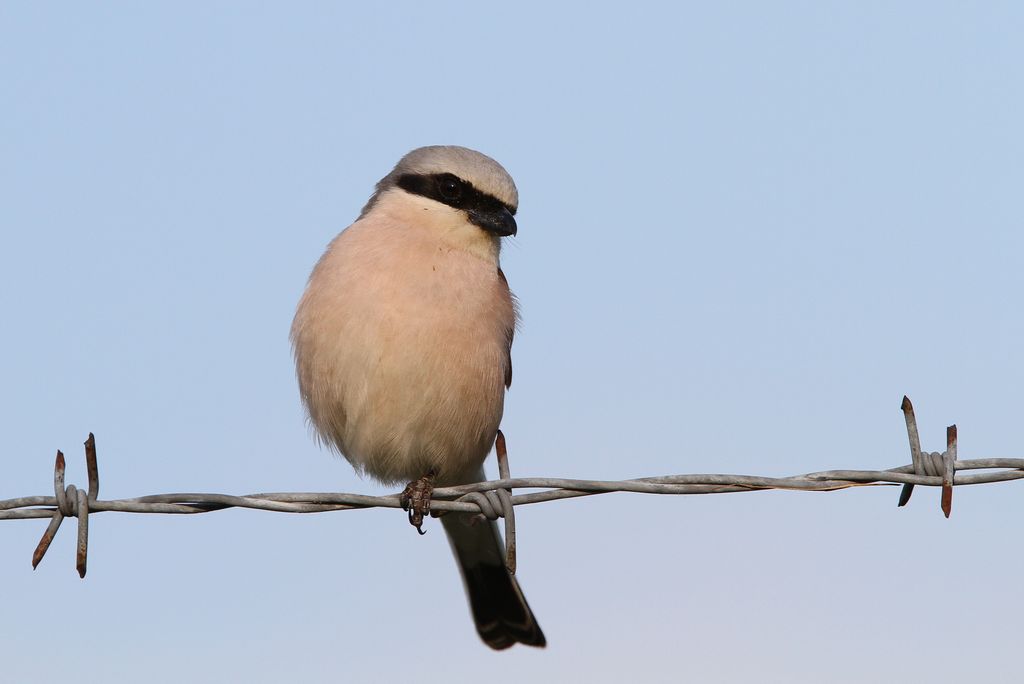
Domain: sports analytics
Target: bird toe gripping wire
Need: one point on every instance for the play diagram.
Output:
(415, 500)
(933, 463)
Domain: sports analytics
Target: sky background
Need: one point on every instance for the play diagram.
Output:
(746, 230)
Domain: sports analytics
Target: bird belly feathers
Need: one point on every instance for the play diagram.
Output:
(403, 366)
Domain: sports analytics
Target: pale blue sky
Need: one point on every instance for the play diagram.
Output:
(746, 230)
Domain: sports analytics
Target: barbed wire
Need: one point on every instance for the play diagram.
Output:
(493, 499)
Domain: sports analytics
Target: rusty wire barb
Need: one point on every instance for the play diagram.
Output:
(494, 499)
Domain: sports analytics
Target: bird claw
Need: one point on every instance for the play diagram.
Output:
(415, 499)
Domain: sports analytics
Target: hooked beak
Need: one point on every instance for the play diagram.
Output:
(498, 222)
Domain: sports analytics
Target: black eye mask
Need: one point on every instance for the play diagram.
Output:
(486, 211)
(447, 188)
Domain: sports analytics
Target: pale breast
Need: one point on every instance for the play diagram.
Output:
(401, 347)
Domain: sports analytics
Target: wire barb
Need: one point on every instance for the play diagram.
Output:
(915, 448)
(933, 463)
(948, 471)
(57, 518)
(508, 510)
(70, 502)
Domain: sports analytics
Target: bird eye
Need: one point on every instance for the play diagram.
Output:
(450, 188)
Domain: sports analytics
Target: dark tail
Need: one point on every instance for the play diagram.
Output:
(502, 616)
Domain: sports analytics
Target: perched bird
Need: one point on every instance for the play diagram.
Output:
(402, 346)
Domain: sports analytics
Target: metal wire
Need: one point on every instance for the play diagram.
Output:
(493, 499)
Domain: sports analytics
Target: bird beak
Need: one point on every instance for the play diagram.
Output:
(498, 222)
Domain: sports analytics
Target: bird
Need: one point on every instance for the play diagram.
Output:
(402, 343)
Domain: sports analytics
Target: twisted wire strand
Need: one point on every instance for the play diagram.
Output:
(493, 499)
(1007, 469)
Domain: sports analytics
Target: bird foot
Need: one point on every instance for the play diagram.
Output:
(415, 499)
